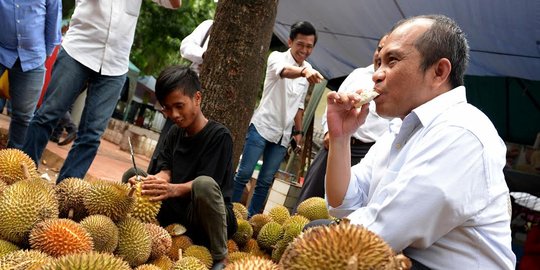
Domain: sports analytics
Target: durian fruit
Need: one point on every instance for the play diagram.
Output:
(238, 255)
(88, 261)
(201, 253)
(161, 240)
(296, 219)
(163, 262)
(58, 237)
(134, 243)
(232, 246)
(70, 194)
(279, 213)
(11, 166)
(240, 211)
(176, 229)
(257, 221)
(7, 247)
(144, 209)
(269, 235)
(103, 231)
(290, 232)
(243, 233)
(189, 263)
(108, 198)
(343, 246)
(25, 260)
(147, 267)
(253, 263)
(3, 186)
(252, 247)
(22, 205)
(181, 242)
(313, 208)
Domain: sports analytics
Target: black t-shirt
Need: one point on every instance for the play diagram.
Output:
(209, 153)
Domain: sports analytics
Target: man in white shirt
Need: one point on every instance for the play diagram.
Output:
(195, 44)
(435, 190)
(288, 76)
(95, 51)
(361, 140)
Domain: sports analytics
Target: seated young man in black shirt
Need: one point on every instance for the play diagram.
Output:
(195, 169)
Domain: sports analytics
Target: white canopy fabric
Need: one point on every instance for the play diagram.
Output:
(504, 35)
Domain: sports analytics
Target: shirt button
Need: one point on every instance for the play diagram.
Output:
(17, 5)
(18, 21)
(398, 145)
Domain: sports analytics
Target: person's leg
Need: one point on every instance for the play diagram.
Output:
(314, 179)
(253, 150)
(208, 211)
(102, 95)
(68, 77)
(70, 128)
(272, 158)
(24, 90)
(58, 129)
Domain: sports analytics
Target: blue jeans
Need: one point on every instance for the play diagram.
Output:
(67, 79)
(24, 90)
(272, 153)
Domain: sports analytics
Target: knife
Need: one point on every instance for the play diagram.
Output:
(137, 176)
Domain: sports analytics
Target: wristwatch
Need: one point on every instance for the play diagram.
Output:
(296, 132)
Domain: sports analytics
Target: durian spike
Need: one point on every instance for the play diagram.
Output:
(352, 264)
(26, 173)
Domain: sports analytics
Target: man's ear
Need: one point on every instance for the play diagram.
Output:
(198, 98)
(289, 42)
(441, 71)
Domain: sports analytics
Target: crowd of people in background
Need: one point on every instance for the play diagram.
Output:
(394, 165)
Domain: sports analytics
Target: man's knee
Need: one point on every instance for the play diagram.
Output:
(205, 188)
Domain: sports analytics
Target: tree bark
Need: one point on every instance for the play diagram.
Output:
(233, 69)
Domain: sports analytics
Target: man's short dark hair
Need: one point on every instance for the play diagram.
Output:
(444, 39)
(177, 78)
(304, 28)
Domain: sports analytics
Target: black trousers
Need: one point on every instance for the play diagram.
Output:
(316, 173)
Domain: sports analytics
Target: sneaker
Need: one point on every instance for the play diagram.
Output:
(69, 138)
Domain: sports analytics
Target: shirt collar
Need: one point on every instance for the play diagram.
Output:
(430, 110)
(290, 59)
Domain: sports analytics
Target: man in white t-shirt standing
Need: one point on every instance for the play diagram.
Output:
(95, 51)
(281, 108)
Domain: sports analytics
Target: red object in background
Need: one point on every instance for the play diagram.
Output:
(49, 66)
(531, 257)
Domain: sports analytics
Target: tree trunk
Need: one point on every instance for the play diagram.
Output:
(234, 64)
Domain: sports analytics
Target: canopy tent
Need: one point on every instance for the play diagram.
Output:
(503, 35)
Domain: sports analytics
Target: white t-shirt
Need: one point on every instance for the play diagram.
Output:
(101, 33)
(281, 99)
(194, 45)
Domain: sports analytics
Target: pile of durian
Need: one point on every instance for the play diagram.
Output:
(87, 225)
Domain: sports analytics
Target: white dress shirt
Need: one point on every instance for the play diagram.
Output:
(375, 126)
(436, 189)
(101, 33)
(194, 45)
(281, 99)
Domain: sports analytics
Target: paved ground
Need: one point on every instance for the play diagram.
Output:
(109, 164)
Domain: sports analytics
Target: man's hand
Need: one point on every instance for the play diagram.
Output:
(312, 76)
(298, 139)
(342, 116)
(160, 189)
